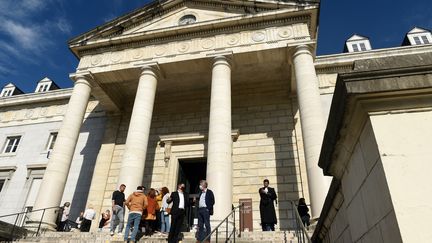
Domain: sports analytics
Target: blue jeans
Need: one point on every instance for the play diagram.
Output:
(117, 219)
(165, 222)
(203, 220)
(134, 218)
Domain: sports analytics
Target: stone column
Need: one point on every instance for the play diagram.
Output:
(133, 162)
(219, 161)
(312, 124)
(54, 180)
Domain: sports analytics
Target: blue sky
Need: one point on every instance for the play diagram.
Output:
(34, 33)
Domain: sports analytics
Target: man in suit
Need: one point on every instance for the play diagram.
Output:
(267, 209)
(206, 202)
(180, 201)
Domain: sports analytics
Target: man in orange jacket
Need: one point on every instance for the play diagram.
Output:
(136, 203)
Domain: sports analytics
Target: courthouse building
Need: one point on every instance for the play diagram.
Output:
(178, 91)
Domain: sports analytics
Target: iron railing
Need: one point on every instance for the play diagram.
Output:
(22, 218)
(228, 233)
(300, 230)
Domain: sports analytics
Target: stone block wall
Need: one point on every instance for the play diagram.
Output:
(363, 209)
(269, 145)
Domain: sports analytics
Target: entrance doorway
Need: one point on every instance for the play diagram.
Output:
(190, 172)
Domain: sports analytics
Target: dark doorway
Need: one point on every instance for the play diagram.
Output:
(191, 171)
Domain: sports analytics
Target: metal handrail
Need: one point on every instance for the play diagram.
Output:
(26, 212)
(8, 215)
(225, 220)
(300, 229)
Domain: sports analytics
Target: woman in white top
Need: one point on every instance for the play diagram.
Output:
(88, 216)
(165, 210)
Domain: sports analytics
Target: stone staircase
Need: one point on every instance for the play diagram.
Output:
(104, 237)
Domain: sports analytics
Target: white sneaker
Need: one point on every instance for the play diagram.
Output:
(111, 233)
(120, 234)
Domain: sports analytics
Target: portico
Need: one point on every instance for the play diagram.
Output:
(200, 78)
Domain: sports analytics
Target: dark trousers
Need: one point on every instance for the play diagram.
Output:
(85, 225)
(203, 220)
(61, 226)
(268, 226)
(150, 226)
(176, 225)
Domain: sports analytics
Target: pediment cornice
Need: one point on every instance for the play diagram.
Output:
(111, 36)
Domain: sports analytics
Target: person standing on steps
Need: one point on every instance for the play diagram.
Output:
(89, 215)
(206, 201)
(64, 217)
(136, 203)
(118, 212)
(303, 211)
(165, 211)
(267, 209)
(180, 201)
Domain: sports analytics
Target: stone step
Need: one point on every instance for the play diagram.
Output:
(189, 237)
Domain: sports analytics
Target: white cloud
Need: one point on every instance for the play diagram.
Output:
(64, 26)
(28, 37)
(22, 24)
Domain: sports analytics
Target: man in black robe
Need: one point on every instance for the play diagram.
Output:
(267, 209)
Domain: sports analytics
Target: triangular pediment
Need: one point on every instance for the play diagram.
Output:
(357, 37)
(161, 17)
(179, 17)
(416, 30)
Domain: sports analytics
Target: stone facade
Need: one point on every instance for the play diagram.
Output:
(239, 89)
(34, 119)
(375, 153)
(267, 145)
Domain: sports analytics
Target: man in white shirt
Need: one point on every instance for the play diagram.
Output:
(180, 202)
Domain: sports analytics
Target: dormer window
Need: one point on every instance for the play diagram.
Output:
(45, 85)
(359, 47)
(420, 40)
(357, 43)
(6, 92)
(9, 90)
(417, 36)
(42, 87)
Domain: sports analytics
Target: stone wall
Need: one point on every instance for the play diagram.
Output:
(362, 209)
(269, 144)
(403, 138)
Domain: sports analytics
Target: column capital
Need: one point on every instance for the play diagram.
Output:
(82, 77)
(150, 69)
(223, 60)
(302, 49)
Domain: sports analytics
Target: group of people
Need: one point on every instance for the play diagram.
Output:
(152, 212)
(144, 210)
(83, 222)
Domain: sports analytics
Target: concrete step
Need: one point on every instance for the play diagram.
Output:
(189, 237)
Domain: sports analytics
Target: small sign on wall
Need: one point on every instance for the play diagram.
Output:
(246, 220)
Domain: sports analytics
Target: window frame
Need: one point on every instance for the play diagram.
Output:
(7, 92)
(6, 174)
(15, 144)
(43, 87)
(52, 136)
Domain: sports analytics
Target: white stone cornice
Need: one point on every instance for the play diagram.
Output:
(23, 99)
(233, 24)
(349, 58)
